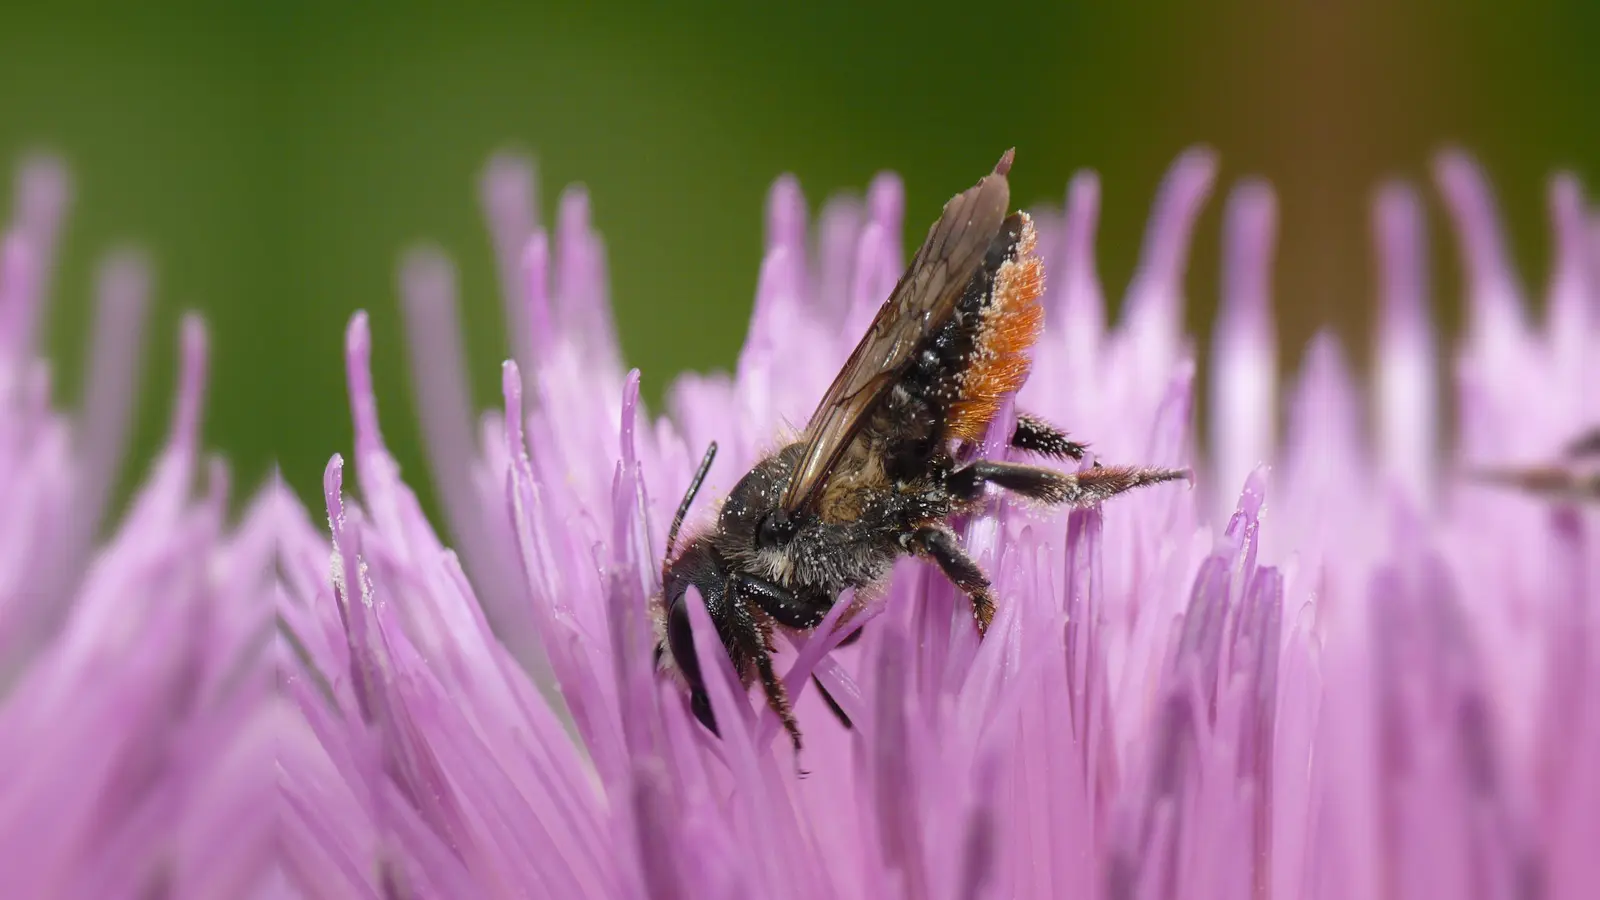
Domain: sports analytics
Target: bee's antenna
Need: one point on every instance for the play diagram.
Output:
(688, 498)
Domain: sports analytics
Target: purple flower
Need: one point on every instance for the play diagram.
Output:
(135, 722)
(1362, 676)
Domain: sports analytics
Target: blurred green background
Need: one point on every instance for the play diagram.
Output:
(275, 159)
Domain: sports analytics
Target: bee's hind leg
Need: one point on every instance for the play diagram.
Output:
(1035, 435)
(942, 546)
(1049, 486)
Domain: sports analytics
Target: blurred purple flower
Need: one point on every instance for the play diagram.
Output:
(1389, 687)
(135, 724)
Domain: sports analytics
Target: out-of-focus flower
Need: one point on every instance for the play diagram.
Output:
(1363, 676)
(135, 725)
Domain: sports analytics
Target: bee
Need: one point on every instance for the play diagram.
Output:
(1573, 478)
(886, 460)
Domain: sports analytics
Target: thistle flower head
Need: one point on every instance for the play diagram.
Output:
(133, 710)
(1335, 669)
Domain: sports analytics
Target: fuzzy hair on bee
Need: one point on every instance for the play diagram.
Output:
(886, 460)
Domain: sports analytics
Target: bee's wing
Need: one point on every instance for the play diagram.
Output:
(922, 301)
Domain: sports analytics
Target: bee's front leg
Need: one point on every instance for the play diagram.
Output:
(750, 590)
(786, 607)
(790, 609)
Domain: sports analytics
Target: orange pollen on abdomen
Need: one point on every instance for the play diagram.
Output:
(1011, 325)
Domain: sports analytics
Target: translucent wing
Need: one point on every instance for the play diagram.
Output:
(921, 302)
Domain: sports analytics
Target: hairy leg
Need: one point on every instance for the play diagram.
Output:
(753, 642)
(1049, 486)
(942, 546)
(1035, 435)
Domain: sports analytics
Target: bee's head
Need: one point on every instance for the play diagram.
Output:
(699, 565)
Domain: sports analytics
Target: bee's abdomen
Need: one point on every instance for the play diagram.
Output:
(962, 372)
(1009, 319)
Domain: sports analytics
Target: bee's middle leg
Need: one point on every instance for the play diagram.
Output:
(942, 546)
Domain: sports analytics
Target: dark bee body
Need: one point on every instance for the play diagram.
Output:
(884, 461)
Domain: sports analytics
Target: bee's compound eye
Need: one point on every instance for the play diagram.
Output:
(775, 530)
